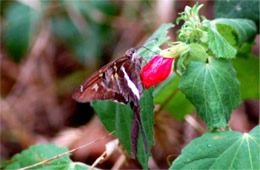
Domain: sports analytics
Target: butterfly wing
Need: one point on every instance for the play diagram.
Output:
(102, 85)
(130, 83)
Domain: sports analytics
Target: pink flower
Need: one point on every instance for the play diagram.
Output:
(156, 70)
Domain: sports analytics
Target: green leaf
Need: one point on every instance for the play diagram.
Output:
(245, 49)
(244, 29)
(38, 153)
(147, 107)
(104, 7)
(248, 75)
(237, 9)
(18, 29)
(171, 99)
(221, 150)
(213, 89)
(83, 45)
(158, 38)
(58, 23)
(198, 52)
(123, 124)
(218, 45)
(107, 110)
(229, 34)
(80, 166)
(147, 118)
(119, 117)
(116, 117)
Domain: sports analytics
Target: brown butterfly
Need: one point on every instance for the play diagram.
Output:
(119, 81)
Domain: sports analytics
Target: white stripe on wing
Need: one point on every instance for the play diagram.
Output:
(130, 84)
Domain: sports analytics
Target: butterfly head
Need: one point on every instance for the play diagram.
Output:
(130, 52)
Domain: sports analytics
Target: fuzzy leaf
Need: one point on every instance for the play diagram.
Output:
(221, 150)
(219, 45)
(213, 89)
(38, 153)
(244, 29)
(198, 52)
(119, 117)
(158, 38)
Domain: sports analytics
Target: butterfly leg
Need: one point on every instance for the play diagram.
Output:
(134, 136)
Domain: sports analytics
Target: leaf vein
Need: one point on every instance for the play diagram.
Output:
(218, 94)
(250, 158)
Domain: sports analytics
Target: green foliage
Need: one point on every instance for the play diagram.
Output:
(193, 29)
(116, 117)
(168, 96)
(190, 14)
(221, 150)
(213, 89)
(245, 49)
(88, 7)
(147, 107)
(86, 43)
(88, 39)
(147, 119)
(240, 30)
(119, 117)
(198, 52)
(19, 27)
(218, 44)
(38, 153)
(207, 77)
(85, 40)
(153, 43)
(248, 75)
(209, 82)
(238, 9)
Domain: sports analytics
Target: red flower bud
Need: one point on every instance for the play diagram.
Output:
(156, 70)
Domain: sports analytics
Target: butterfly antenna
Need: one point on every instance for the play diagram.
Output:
(155, 40)
(149, 50)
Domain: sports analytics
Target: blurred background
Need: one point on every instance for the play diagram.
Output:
(49, 47)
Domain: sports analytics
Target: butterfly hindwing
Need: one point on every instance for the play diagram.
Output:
(130, 83)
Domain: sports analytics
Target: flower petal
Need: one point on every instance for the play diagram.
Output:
(156, 70)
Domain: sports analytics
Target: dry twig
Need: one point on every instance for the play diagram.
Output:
(65, 153)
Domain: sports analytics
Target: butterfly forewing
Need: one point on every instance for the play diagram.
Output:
(102, 85)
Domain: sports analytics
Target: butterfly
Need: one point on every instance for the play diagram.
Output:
(118, 81)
